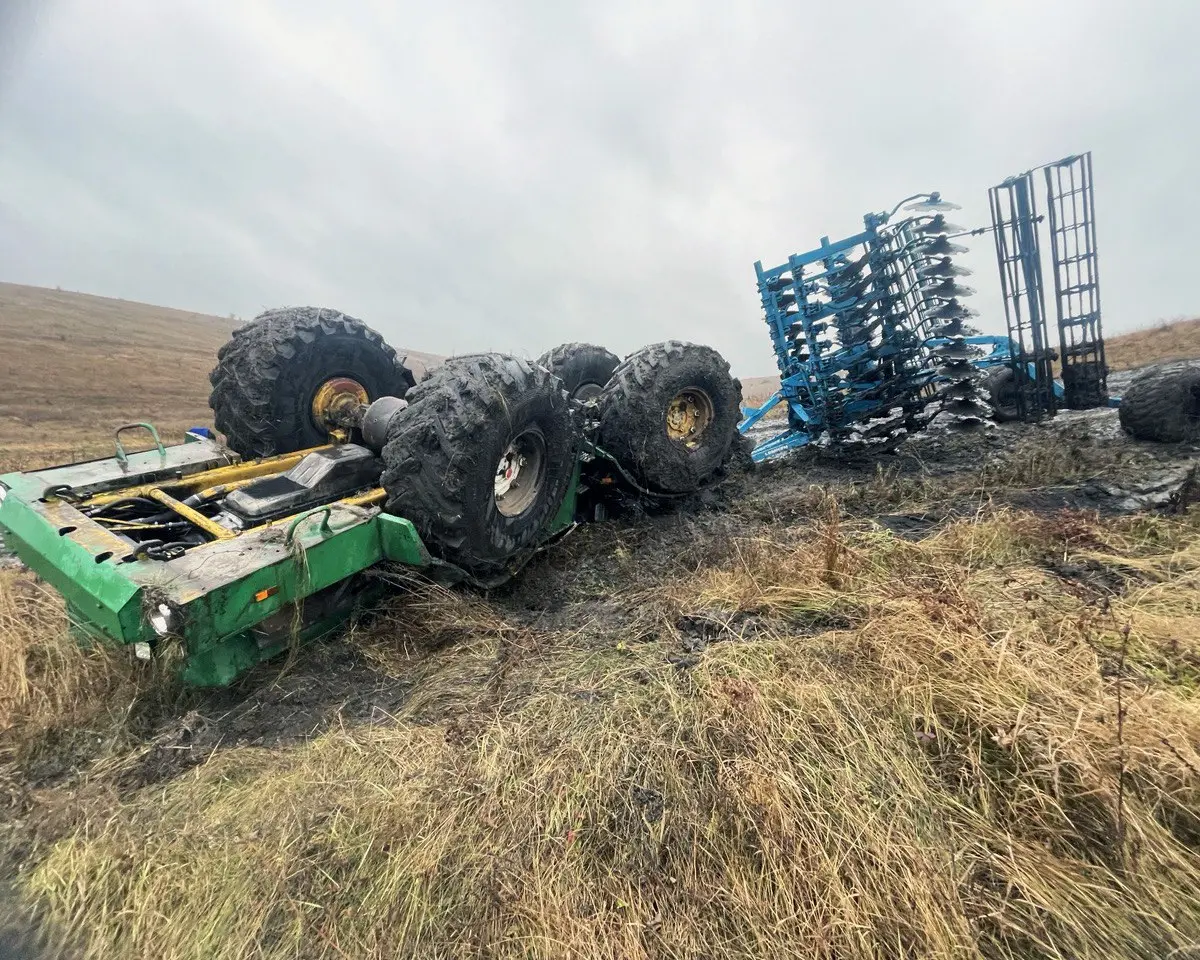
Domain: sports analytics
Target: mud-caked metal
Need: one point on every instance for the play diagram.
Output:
(218, 556)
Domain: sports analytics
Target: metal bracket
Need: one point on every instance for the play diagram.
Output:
(325, 528)
(122, 456)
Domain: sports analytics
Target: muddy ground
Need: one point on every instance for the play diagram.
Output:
(589, 581)
(581, 582)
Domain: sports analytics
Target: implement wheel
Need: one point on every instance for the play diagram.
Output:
(1163, 404)
(1002, 394)
(281, 380)
(481, 458)
(583, 368)
(669, 415)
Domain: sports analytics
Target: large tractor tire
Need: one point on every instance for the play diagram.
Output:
(1002, 394)
(583, 368)
(481, 458)
(669, 415)
(280, 372)
(1163, 404)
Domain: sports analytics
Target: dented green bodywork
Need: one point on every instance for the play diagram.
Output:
(231, 603)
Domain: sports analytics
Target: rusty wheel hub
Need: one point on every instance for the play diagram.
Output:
(688, 416)
(337, 400)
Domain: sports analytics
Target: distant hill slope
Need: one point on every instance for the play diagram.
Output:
(74, 366)
(1174, 340)
(1169, 340)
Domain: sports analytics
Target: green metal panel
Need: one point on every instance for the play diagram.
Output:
(316, 560)
(98, 593)
(400, 542)
(566, 510)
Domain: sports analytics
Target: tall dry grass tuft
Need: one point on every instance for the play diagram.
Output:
(917, 757)
(60, 700)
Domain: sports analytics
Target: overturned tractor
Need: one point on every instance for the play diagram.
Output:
(337, 462)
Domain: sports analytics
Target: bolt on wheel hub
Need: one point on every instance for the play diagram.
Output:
(519, 474)
(688, 416)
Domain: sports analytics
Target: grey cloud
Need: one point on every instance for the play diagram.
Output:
(509, 176)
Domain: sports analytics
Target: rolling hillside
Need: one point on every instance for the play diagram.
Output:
(74, 366)
(109, 356)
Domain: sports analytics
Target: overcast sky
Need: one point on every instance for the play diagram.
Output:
(474, 174)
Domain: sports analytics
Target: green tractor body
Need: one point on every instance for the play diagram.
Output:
(221, 602)
(229, 603)
(215, 557)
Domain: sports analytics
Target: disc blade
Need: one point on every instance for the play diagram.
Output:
(947, 289)
(955, 328)
(778, 283)
(956, 348)
(967, 424)
(966, 407)
(936, 225)
(950, 310)
(944, 267)
(933, 204)
(937, 247)
(958, 390)
(956, 369)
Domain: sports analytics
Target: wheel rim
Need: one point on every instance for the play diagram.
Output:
(587, 391)
(688, 416)
(520, 474)
(335, 398)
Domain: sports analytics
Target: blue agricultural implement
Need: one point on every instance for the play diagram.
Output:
(872, 336)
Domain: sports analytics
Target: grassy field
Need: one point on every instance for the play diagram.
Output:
(1168, 340)
(770, 730)
(74, 367)
(942, 703)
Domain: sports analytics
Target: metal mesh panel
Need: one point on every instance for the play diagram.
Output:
(1018, 255)
(1072, 215)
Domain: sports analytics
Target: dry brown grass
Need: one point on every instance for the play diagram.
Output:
(827, 742)
(757, 390)
(53, 690)
(917, 754)
(74, 367)
(1168, 340)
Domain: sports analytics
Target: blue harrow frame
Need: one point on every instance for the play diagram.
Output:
(853, 324)
(875, 333)
(1000, 355)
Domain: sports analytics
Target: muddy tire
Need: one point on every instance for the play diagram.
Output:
(1163, 404)
(268, 375)
(669, 415)
(1084, 386)
(1002, 394)
(444, 452)
(583, 368)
